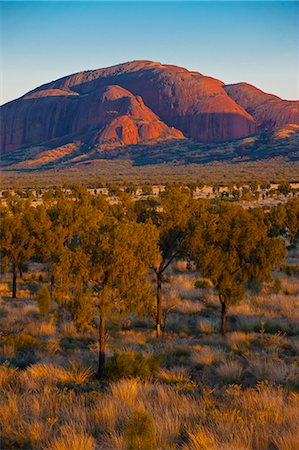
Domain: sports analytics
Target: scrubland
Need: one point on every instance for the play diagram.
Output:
(191, 389)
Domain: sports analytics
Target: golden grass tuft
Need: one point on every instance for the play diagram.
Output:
(200, 439)
(72, 439)
(230, 371)
(8, 376)
(207, 356)
(41, 373)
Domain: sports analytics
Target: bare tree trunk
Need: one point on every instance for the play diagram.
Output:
(223, 316)
(102, 339)
(159, 305)
(14, 281)
(52, 279)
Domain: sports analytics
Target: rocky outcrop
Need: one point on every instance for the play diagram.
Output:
(189, 101)
(137, 102)
(268, 111)
(111, 115)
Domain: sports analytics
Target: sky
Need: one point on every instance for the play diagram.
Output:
(256, 42)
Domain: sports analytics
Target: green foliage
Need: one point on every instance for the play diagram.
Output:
(147, 189)
(84, 311)
(33, 286)
(202, 284)
(44, 300)
(140, 431)
(290, 270)
(277, 285)
(21, 341)
(130, 364)
(23, 233)
(284, 219)
(234, 250)
(113, 189)
(284, 188)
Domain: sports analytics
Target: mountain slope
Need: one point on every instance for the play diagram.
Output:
(111, 115)
(268, 146)
(268, 111)
(138, 102)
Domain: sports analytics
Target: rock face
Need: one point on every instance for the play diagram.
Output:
(137, 102)
(111, 115)
(268, 111)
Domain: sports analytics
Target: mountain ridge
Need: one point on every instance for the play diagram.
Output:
(155, 102)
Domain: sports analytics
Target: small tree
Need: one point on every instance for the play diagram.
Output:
(147, 189)
(284, 219)
(120, 256)
(16, 238)
(291, 223)
(172, 221)
(44, 300)
(284, 188)
(235, 252)
(111, 258)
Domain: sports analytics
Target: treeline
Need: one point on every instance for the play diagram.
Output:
(105, 259)
(236, 191)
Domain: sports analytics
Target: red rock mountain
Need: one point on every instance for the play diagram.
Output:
(268, 111)
(138, 102)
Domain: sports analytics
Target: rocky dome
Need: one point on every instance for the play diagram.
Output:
(137, 102)
(268, 111)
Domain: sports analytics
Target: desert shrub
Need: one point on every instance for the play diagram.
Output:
(140, 431)
(277, 285)
(4, 265)
(44, 300)
(179, 355)
(33, 286)
(202, 284)
(3, 312)
(84, 313)
(277, 326)
(21, 341)
(290, 270)
(130, 364)
(179, 378)
(176, 325)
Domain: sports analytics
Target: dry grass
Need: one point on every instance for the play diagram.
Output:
(254, 418)
(210, 393)
(207, 356)
(183, 305)
(44, 328)
(273, 369)
(38, 375)
(70, 438)
(207, 325)
(230, 371)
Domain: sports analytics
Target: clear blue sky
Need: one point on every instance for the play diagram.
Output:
(234, 41)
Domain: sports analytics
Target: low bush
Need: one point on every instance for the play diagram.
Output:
(140, 431)
(44, 300)
(131, 364)
(277, 285)
(202, 284)
(21, 341)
